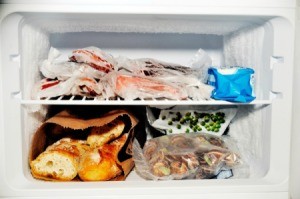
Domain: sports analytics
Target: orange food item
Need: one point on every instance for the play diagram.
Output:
(100, 164)
(145, 87)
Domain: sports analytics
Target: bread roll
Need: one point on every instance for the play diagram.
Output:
(59, 161)
(102, 135)
(100, 164)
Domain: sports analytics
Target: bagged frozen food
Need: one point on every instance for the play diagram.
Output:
(95, 58)
(175, 74)
(184, 156)
(82, 86)
(131, 87)
(93, 73)
(152, 67)
(68, 147)
(178, 120)
(232, 84)
(62, 70)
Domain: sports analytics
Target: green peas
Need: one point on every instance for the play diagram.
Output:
(202, 123)
(178, 126)
(170, 123)
(206, 119)
(187, 130)
(170, 131)
(163, 117)
(188, 114)
(195, 129)
(182, 121)
(201, 115)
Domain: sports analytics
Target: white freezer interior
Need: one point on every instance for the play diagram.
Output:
(251, 41)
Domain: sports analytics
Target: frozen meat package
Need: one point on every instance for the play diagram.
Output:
(91, 72)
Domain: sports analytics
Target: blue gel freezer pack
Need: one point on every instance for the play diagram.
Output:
(232, 84)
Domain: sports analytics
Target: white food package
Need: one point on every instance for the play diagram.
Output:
(163, 124)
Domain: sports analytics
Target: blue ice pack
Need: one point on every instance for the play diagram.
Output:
(232, 84)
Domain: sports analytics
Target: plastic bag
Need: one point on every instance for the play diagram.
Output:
(185, 77)
(63, 70)
(177, 121)
(153, 67)
(185, 156)
(82, 86)
(131, 87)
(232, 84)
(201, 62)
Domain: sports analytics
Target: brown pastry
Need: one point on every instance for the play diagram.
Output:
(100, 164)
(102, 135)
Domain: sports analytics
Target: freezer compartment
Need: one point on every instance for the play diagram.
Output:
(229, 41)
(262, 42)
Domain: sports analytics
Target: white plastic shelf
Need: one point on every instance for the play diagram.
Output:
(72, 100)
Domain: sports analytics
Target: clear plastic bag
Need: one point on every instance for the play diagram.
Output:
(82, 86)
(131, 87)
(63, 70)
(185, 77)
(201, 62)
(184, 156)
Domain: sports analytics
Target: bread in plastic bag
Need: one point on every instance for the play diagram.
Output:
(184, 156)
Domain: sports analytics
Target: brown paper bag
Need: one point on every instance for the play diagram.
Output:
(64, 124)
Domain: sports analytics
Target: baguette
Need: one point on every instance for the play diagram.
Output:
(102, 135)
(59, 161)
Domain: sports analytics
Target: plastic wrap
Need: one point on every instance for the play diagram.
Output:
(63, 70)
(185, 156)
(201, 63)
(181, 76)
(83, 86)
(152, 67)
(128, 78)
(131, 87)
(95, 58)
